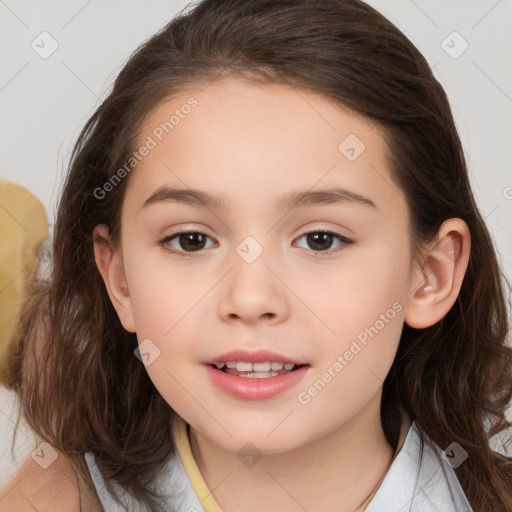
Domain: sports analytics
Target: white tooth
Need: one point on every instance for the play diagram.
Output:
(219, 365)
(276, 366)
(231, 364)
(261, 367)
(242, 366)
(288, 366)
(258, 375)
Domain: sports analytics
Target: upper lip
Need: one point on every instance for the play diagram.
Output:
(257, 356)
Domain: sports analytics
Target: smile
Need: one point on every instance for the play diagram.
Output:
(261, 370)
(254, 381)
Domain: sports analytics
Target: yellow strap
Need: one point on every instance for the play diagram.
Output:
(204, 495)
(200, 488)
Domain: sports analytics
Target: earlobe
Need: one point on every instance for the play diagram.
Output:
(439, 279)
(109, 263)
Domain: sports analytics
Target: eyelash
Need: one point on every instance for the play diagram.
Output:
(164, 242)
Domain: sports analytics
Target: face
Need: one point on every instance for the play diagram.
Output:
(322, 281)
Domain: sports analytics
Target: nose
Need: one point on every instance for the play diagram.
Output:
(252, 293)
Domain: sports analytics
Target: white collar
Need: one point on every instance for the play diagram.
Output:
(416, 483)
(410, 485)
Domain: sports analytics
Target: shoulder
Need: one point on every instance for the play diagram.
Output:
(40, 479)
(34, 488)
(420, 480)
(171, 484)
(438, 486)
(33, 475)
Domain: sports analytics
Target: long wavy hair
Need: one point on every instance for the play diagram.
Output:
(80, 386)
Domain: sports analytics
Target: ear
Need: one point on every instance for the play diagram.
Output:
(437, 282)
(109, 263)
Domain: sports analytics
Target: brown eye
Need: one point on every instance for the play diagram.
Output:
(192, 241)
(189, 241)
(322, 241)
(319, 241)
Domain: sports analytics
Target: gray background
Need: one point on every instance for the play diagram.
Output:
(45, 102)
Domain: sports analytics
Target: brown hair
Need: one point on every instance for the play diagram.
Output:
(89, 393)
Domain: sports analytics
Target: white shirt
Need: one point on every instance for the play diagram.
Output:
(410, 485)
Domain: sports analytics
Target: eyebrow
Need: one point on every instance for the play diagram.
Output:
(294, 199)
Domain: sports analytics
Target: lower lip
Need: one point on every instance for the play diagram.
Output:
(255, 389)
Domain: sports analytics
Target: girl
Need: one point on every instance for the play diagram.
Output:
(272, 288)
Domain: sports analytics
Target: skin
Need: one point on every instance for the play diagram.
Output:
(45, 487)
(34, 488)
(254, 144)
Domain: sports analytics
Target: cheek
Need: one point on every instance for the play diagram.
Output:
(362, 307)
(163, 291)
(163, 303)
(166, 300)
(366, 289)
(354, 364)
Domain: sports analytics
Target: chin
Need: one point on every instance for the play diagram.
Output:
(266, 441)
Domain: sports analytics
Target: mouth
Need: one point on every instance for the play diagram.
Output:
(259, 370)
(256, 375)
(260, 380)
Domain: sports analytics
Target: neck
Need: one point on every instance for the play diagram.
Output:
(336, 472)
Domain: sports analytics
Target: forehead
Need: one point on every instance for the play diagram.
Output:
(252, 140)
